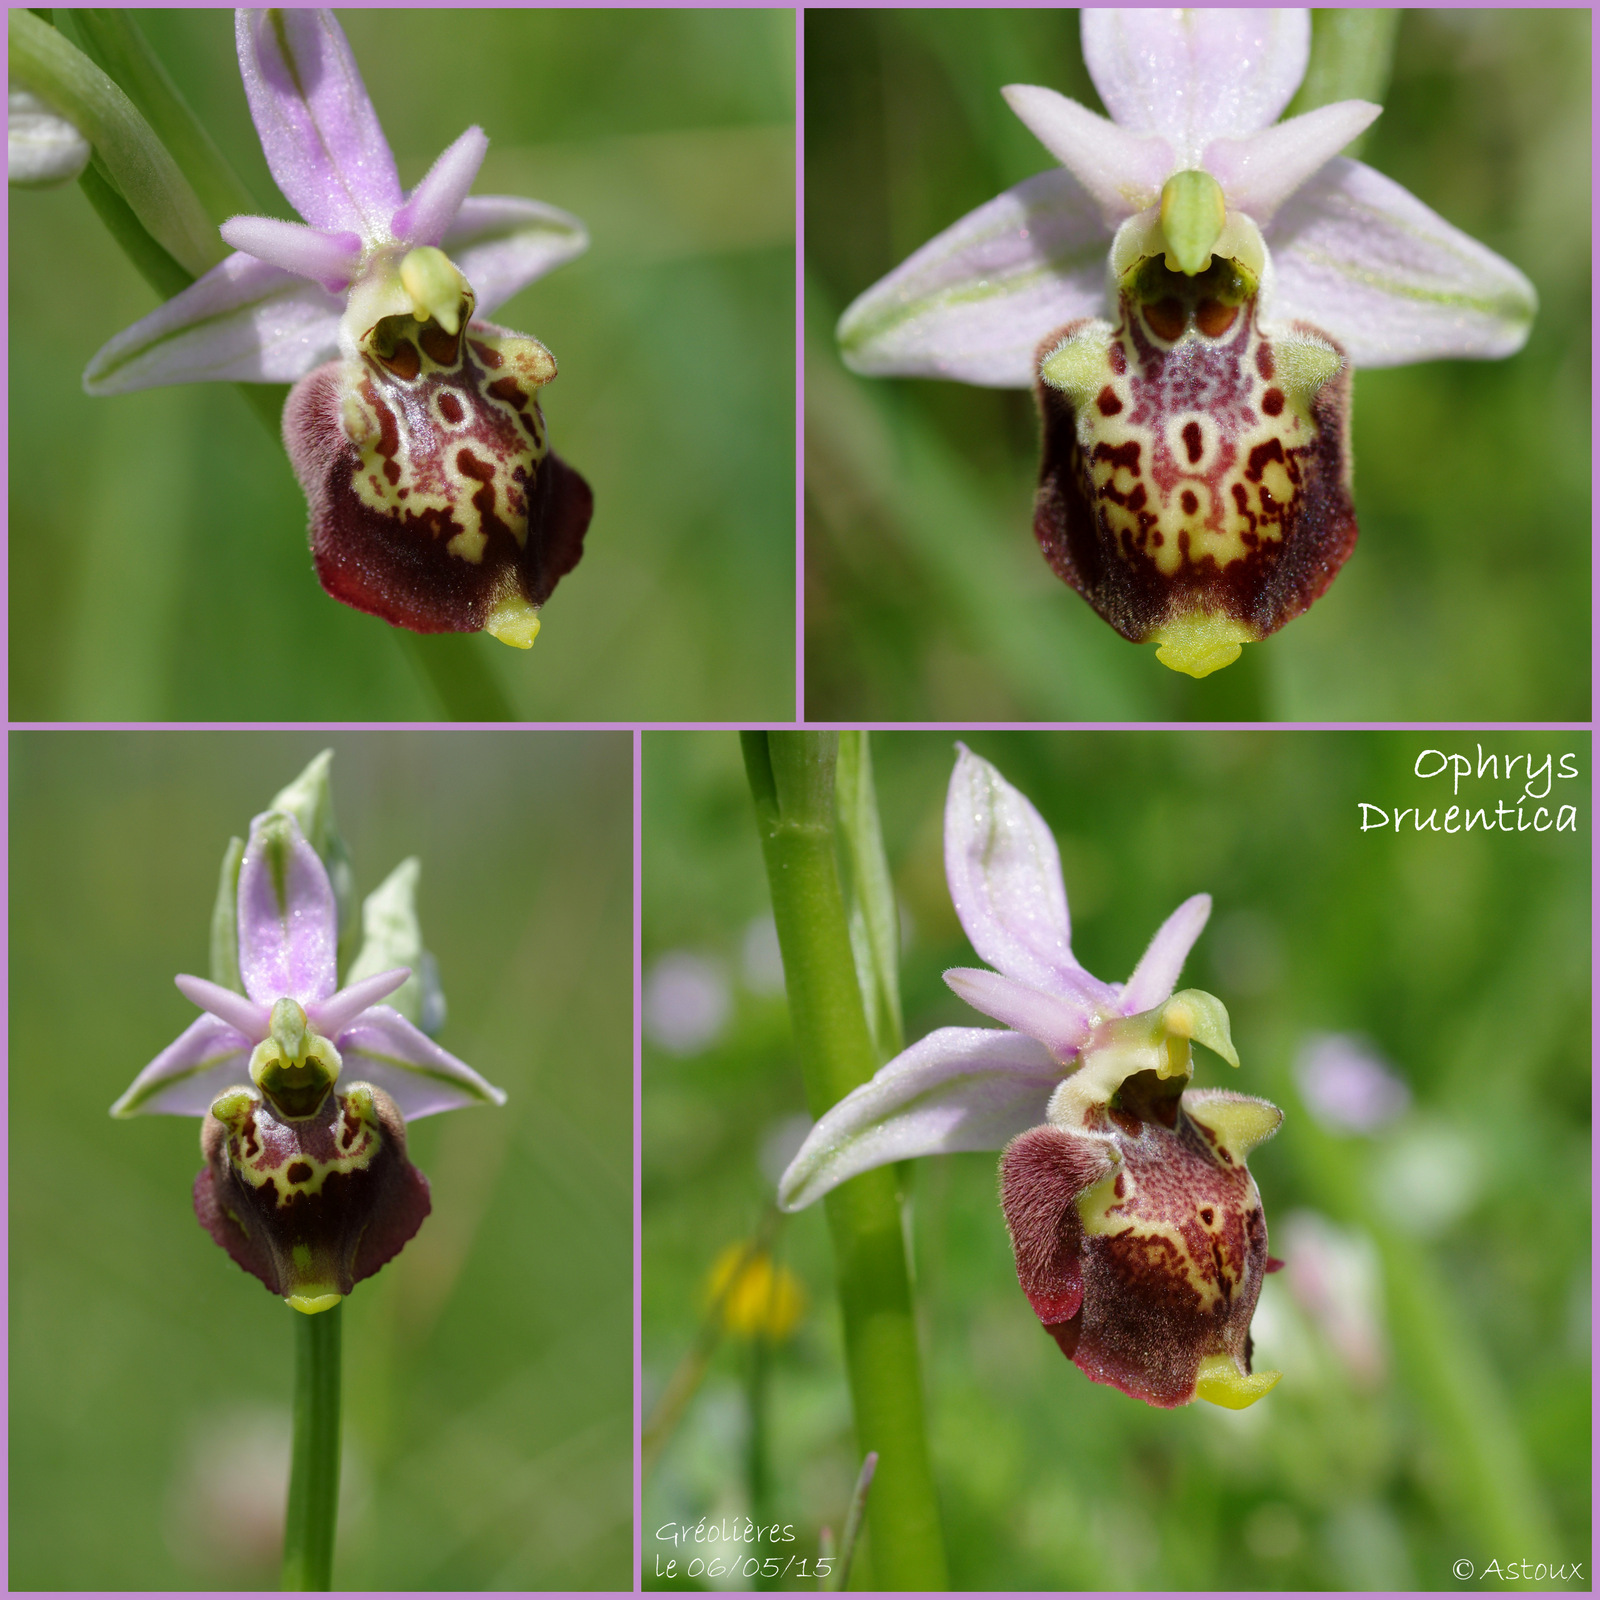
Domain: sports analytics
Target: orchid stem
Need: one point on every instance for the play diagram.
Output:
(453, 667)
(792, 778)
(314, 1466)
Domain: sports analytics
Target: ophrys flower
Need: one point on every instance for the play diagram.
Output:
(304, 1088)
(1138, 1232)
(1188, 294)
(414, 427)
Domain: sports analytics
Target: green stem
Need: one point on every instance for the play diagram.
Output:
(314, 1467)
(792, 779)
(452, 666)
(756, 1469)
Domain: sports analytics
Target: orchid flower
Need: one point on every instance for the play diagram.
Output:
(414, 428)
(1187, 295)
(304, 1087)
(1138, 1232)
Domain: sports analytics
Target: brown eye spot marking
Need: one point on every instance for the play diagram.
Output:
(1120, 455)
(440, 346)
(405, 362)
(1119, 359)
(298, 1171)
(1190, 503)
(348, 1136)
(450, 408)
(1119, 1186)
(509, 390)
(1264, 362)
(487, 354)
(1215, 318)
(1272, 402)
(1192, 441)
(1108, 403)
(1165, 319)
(1207, 1215)
(1272, 450)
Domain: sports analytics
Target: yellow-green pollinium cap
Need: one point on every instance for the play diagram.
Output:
(1193, 211)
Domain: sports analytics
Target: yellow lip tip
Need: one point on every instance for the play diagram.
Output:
(1199, 644)
(311, 1304)
(1222, 1383)
(514, 622)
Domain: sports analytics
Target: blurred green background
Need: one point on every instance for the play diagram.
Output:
(488, 1370)
(1468, 595)
(1433, 1324)
(159, 567)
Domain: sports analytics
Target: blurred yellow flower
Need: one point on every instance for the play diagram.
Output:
(758, 1297)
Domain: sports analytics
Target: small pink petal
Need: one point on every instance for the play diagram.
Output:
(1123, 171)
(1060, 1024)
(333, 1015)
(329, 258)
(426, 216)
(243, 1015)
(1156, 976)
(1259, 172)
(384, 1049)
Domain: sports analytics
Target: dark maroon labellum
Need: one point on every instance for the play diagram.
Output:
(310, 1207)
(1196, 472)
(436, 502)
(1141, 1245)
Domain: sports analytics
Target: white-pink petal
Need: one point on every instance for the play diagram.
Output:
(1123, 171)
(1004, 872)
(426, 216)
(972, 304)
(1156, 976)
(206, 1058)
(1195, 75)
(1364, 260)
(383, 1048)
(1060, 1023)
(958, 1089)
(318, 129)
(243, 322)
(288, 926)
(1259, 172)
